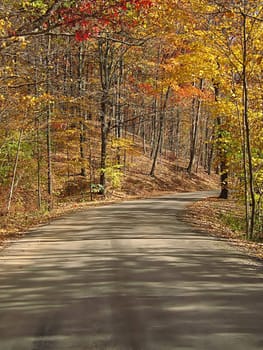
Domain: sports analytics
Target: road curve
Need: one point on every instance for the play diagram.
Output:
(129, 276)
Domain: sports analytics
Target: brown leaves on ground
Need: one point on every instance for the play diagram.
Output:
(170, 176)
(210, 216)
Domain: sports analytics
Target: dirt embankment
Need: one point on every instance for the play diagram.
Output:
(224, 219)
(136, 183)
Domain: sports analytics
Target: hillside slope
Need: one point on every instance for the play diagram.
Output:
(170, 176)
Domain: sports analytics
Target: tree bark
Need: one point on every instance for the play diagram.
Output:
(194, 130)
(160, 134)
(105, 71)
(82, 122)
(250, 174)
(48, 129)
(222, 154)
(14, 171)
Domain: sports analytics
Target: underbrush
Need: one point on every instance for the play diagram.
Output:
(225, 219)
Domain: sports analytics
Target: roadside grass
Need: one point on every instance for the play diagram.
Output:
(224, 219)
(235, 223)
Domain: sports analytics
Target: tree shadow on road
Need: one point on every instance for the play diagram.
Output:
(124, 283)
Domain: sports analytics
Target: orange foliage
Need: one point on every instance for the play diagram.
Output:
(190, 91)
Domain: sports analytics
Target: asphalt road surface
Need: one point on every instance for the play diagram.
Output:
(129, 276)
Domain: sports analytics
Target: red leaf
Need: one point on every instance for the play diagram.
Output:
(82, 36)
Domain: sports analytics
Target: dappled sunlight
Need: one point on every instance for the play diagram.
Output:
(107, 279)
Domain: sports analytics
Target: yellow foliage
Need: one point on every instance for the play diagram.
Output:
(4, 25)
(122, 143)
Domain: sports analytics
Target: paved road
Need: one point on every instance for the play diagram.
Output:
(129, 276)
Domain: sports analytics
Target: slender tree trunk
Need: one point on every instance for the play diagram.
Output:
(91, 180)
(119, 118)
(206, 146)
(48, 129)
(81, 115)
(39, 193)
(104, 141)
(142, 134)
(177, 136)
(222, 154)
(244, 167)
(160, 134)
(250, 174)
(244, 163)
(82, 141)
(194, 130)
(156, 107)
(105, 69)
(38, 145)
(118, 112)
(14, 171)
(49, 159)
(154, 127)
(210, 155)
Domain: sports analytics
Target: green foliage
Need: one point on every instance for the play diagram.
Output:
(97, 188)
(4, 170)
(10, 149)
(32, 5)
(234, 222)
(69, 3)
(7, 156)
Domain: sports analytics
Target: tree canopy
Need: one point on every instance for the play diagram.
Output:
(80, 80)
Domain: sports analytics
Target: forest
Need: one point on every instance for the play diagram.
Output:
(85, 86)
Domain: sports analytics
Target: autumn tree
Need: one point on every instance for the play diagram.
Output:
(232, 31)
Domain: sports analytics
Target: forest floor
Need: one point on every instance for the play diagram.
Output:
(223, 219)
(211, 214)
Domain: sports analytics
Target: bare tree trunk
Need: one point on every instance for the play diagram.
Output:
(82, 122)
(118, 112)
(91, 180)
(222, 154)
(250, 175)
(154, 127)
(156, 108)
(244, 166)
(14, 171)
(206, 146)
(177, 136)
(210, 155)
(194, 130)
(49, 159)
(38, 145)
(48, 129)
(39, 193)
(105, 70)
(104, 141)
(142, 134)
(160, 134)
